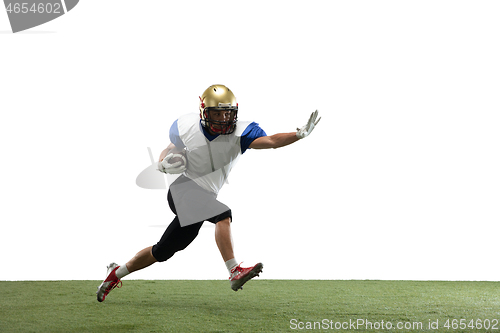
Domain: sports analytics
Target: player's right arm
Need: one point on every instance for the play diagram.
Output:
(176, 146)
(166, 151)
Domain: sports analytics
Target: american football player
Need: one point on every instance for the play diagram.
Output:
(207, 145)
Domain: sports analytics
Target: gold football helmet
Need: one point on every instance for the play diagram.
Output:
(218, 97)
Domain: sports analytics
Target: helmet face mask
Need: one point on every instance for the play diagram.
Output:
(216, 126)
(218, 98)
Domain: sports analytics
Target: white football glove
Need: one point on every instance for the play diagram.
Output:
(177, 167)
(308, 128)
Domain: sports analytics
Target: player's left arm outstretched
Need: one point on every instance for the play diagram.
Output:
(284, 139)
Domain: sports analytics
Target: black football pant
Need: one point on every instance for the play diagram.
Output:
(177, 237)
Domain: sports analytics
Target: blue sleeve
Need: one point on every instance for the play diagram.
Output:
(252, 132)
(174, 136)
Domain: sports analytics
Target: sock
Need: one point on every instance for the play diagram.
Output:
(230, 264)
(122, 271)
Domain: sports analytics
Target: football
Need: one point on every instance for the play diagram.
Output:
(179, 156)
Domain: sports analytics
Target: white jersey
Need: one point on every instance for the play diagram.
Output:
(209, 162)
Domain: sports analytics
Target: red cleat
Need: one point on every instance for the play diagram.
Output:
(240, 275)
(109, 284)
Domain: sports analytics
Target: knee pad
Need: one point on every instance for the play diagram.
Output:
(175, 238)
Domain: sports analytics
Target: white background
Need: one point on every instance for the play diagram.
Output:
(400, 180)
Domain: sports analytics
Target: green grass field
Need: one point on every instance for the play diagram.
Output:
(262, 306)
